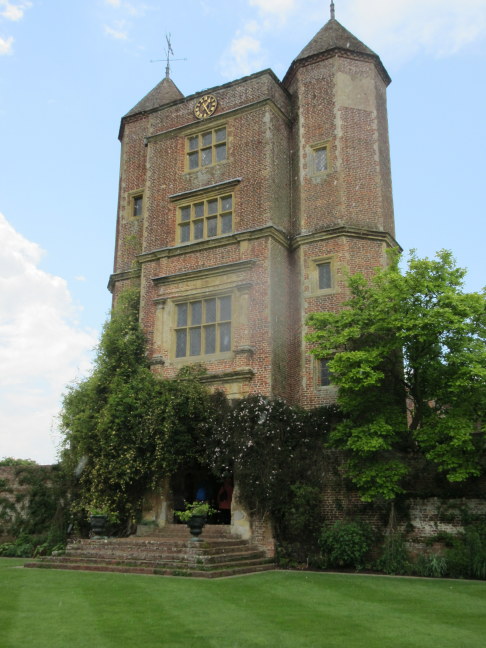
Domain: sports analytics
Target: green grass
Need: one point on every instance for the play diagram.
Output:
(56, 609)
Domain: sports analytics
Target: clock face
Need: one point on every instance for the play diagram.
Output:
(205, 106)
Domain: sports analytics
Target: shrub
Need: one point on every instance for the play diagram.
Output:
(23, 547)
(297, 526)
(346, 544)
(394, 558)
(432, 566)
(467, 556)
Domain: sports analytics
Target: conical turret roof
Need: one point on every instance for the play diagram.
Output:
(163, 93)
(333, 35)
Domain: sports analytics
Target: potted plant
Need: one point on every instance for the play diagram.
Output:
(195, 517)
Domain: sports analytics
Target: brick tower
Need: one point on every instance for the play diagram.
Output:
(342, 207)
(242, 207)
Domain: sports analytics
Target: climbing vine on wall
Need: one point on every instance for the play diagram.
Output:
(125, 429)
(269, 446)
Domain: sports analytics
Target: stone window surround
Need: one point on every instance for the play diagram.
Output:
(218, 281)
(223, 211)
(319, 146)
(314, 275)
(317, 374)
(130, 204)
(213, 146)
(220, 319)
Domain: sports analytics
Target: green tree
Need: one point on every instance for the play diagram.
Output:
(408, 355)
(122, 425)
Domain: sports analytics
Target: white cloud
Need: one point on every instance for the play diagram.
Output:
(280, 7)
(133, 9)
(13, 11)
(6, 45)
(120, 33)
(42, 348)
(128, 11)
(396, 29)
(400, 29)
(245, 53)
(243, 56)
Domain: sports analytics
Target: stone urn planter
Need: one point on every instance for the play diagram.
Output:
(196, 525)
(98, 525)
(195, 516)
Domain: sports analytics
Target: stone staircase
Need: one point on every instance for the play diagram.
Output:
(168, 552)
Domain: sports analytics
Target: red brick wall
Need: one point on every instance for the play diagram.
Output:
(270, 136)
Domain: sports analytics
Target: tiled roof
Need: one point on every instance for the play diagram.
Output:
(333, 35)
(163, 93)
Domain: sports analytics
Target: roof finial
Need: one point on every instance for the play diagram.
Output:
(333, 12)
(168, 52)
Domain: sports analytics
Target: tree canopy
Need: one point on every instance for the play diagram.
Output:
(408, 355)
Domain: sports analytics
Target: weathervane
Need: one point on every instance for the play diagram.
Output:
(333, 12)
(168, 59)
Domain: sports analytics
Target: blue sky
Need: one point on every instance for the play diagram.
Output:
(70, 70)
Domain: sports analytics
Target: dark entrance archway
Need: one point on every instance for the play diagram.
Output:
(197, 483)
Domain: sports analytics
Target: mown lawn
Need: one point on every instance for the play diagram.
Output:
(56, 609)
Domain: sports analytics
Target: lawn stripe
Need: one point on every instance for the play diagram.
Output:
(274, 610)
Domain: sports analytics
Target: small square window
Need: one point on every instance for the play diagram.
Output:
(137, 206)
(320, 159)
(325, 375)
(324, 275)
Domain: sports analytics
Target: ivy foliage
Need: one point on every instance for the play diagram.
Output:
(409, 359)
(125, 429)
(33, 509)
(275, 452)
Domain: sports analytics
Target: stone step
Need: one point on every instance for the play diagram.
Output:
(171, 530)
(135, 540)
(156, 550)
(171, 552)
(195, 573)
(207, 556)
(247, 560)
